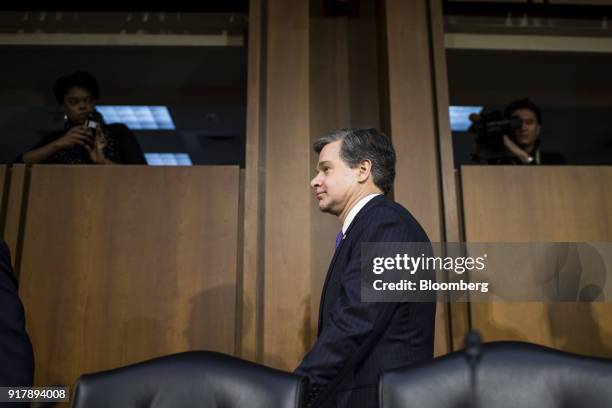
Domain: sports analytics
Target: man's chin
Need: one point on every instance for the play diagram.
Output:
(325, 208)
(524, 141)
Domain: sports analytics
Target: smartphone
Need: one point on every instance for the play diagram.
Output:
(92, 124)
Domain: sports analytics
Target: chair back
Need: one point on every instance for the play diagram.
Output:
(188, 380)
(507, 374)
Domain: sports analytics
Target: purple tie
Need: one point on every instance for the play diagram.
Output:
(338, 239)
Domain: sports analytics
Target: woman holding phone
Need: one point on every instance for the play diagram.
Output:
(85, 139)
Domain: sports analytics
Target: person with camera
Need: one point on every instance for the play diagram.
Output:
(511, 137)
(85, 138)
(524, 143)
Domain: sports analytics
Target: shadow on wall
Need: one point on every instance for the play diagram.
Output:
(578, 323)
(211, 325)
(212, 322)
(290, 362)
(580, 327)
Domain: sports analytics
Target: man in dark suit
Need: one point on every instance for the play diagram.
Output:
(16, 356)
(358, 340)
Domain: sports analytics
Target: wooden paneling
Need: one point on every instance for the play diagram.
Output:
(457, 312)
(413, 121)
(14, 210)
(330, 107)
(417, 112)
(363, 66)
(287, 197)
(343, 93)
(307, 76)
(252, 249)
(541, 204)
(122, 264)
(442, 103)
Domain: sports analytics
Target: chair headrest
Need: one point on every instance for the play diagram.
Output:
(190, 379)
(507, 374)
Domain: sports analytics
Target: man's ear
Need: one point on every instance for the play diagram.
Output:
(364, 170)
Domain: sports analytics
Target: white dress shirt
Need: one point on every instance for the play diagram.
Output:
(353, 212)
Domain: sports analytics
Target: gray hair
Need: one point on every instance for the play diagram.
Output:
(365, 144)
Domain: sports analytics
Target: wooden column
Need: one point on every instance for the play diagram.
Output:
(287, 195)
(329, 109)
(250, 346)
(15, 196)
(458, 322)
(343, 93)
(309, 74)
(418, 122)
(277, 217)
(411, 112)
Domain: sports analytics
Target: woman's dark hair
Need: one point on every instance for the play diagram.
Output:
(365, 144)
(79, 78)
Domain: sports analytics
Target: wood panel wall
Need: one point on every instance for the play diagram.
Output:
(310, 74)
(250, 346)
(15, 189)
(122, 264)
(456, 323)
(418, 118)
(541, 204)
(344, 92)
(277, 196)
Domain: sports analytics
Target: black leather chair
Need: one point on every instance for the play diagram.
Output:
(508, 374)
(192, 379)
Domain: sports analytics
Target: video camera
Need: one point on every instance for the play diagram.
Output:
(489, 127)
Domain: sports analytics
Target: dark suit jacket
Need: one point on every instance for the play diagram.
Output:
(16, 357)
(358, 341)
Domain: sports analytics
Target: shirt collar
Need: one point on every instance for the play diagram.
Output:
(353, 212)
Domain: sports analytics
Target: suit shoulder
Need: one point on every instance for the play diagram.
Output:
(387, 209)
(392, 215)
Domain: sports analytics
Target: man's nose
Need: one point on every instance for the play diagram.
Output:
(315, 181)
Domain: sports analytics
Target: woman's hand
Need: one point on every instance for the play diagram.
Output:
(96, 152)
(75, 136)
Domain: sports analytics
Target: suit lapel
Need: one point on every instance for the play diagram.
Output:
(330, 270)
(327, 277)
